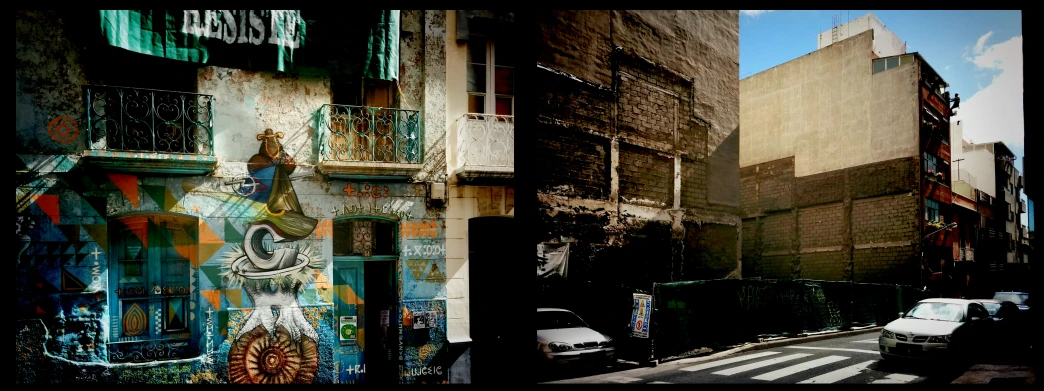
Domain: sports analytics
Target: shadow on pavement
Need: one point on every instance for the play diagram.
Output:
(562, 372)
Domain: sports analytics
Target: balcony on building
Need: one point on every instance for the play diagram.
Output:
(485, 148)
(149, 131)
(362, 142)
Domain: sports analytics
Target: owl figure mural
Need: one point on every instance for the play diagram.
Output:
(275, 343)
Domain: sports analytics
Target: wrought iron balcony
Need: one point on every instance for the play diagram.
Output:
(485, 146)
(135, 129)
(359, 141)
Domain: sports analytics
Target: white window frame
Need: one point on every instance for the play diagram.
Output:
(490, 96)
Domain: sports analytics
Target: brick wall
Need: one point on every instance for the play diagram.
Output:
(572, 159)
(866, 211)
(820, 226)
(705, 255)
(777, 232)
(694, 184)
(646, 175)
(574, 104)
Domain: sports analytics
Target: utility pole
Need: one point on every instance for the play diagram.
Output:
(958, 161)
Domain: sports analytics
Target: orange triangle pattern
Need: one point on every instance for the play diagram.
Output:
(207, 250)
(347, 295)
(417, 267)
(435, 275)
(321, 282)
(419, 229)
(207, 235)
(128, 184)
(49, 205)
(70, 283)
(235, 297)
(213, 296)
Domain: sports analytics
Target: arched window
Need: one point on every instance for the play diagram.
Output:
(150, 262)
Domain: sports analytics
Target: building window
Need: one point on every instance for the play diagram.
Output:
(930, 163)
(150, 265)
(491, 76)
(364, 92)
(884, 64)
(365, 237)
(931, 211)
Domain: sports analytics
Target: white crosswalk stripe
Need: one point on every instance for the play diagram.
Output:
(622, 379)
(838, 375)
(873, 341)
(659, 382)
(727, 361)
(759, 364)
(799, 367)
(836, 349)
(895, 378)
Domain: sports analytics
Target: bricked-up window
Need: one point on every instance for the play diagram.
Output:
(150, 265)
(931, 211)
(491, 75)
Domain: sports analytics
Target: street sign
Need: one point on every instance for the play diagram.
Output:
(640, 315)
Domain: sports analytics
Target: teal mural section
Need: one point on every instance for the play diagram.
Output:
(261, 283)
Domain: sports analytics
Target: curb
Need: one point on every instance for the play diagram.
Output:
(775, 343)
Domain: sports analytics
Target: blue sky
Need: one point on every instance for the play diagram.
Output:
(977, 52)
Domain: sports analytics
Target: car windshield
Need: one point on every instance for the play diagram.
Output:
(992, 307)
(548, 320)
(1017, 298)
(947, 312)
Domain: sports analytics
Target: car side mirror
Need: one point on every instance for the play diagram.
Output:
(901, 314)
(975, 319)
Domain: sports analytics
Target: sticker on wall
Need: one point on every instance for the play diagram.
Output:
(348, 328)
(385, 321)
(424, 320)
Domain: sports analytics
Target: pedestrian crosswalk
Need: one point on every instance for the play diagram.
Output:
(767, 366)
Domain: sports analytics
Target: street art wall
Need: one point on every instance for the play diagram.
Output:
(128, 278)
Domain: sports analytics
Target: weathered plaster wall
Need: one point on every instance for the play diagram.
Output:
(247, 102)
(456, 90)
(434, 111)
(49, 77)
(829, 111)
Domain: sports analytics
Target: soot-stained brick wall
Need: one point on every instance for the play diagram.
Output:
(629, 104)
(859, 223)
(572, 163)
(646, 176)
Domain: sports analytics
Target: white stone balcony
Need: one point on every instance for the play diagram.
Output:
(485, 147)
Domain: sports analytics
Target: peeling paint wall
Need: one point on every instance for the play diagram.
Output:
(78, 319)
(640, 143)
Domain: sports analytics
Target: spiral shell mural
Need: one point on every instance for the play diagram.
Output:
(258, 358)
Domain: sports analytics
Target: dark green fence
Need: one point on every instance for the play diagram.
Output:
(716, 313)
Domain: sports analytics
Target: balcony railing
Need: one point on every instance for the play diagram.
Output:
(486, 143)
(370, 134)
(149, 121)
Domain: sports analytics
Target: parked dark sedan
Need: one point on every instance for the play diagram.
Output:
(1020, 299)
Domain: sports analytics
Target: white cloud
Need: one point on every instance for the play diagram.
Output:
(980, 44)
(947, 68)
(754, 12)
(995, 112)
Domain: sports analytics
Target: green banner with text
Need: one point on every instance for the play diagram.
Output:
(250, 39)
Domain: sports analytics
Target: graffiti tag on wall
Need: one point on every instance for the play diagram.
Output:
(367, 191)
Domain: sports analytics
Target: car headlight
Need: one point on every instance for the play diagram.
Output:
(939, 339)
(560, 346)
(887, 334)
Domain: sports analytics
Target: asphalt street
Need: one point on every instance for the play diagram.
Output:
(844, 360)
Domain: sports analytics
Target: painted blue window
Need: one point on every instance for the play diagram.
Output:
(150, 264)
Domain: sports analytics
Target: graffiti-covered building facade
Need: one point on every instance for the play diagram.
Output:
(232, 196)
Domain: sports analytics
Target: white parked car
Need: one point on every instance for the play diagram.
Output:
(564, 338)
(936, 329)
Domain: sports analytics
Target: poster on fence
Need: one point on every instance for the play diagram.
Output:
(640, 316)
